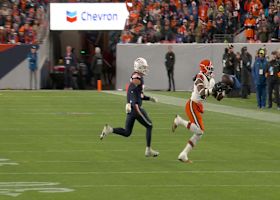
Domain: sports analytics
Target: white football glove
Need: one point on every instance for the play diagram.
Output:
(128, 108)
(211, 85)
(154, 99)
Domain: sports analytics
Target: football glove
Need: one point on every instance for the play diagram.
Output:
(218, 87)
(218, 90)
(154, 99)
(211, 83)
(128, 108)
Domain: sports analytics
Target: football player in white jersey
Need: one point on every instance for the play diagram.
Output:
(203, 87)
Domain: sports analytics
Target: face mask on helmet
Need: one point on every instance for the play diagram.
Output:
(206, 67)
(141, 65)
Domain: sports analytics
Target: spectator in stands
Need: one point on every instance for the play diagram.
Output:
(70, 63)
(202, 11)
(180, 36)
(212, 30)
(271, 12)
(263, 35)
(258, 74)
(221, 21)
(167, 33)
(201, 33)
(212, 10)
(254, 7)
(250, 25)
(21, 37)
(32, 59)
(246, 62)
(193, 9)
(126, 36)
(272, 73)
(236, 14)
(13, 37)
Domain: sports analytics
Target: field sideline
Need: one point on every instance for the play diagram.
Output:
(50, 149)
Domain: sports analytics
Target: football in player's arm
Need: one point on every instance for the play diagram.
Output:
(204, 85)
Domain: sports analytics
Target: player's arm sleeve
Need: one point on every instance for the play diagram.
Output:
(201, 88)
(144, 97)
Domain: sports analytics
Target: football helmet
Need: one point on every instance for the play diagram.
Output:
(141, 66)
(206, 67)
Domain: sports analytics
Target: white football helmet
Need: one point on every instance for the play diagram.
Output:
(141, 66)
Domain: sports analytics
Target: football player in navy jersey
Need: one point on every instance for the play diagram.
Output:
(135, 96)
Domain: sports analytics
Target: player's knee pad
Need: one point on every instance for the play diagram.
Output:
(195, 129)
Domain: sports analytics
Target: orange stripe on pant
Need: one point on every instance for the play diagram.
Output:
(194, 112)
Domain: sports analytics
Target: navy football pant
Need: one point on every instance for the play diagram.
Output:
(142, 118)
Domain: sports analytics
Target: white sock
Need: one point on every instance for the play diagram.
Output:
(183, 122)
(191, 126)
(188, 148)
(194, 139)
(110, 129)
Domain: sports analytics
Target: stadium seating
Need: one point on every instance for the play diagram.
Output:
(201, 21)
(22, 22)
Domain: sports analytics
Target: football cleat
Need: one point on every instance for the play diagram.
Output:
(184, 158)
(106, 131)
(175, 123)
(151, 153)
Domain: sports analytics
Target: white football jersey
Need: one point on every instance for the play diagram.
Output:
(207, 83)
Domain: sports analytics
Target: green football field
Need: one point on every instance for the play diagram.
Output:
(50, 150)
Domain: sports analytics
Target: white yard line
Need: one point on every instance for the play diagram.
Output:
(240, 112)
(122, 150)
(174, 186)
(137, 142)
(147, 172)
(121, 161)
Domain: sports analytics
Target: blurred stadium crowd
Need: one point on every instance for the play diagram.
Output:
(155, 21)
(185, 21)
(22, 21)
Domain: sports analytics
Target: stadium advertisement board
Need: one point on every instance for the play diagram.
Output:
(88, 16)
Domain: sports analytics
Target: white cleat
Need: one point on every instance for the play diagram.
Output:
(106, 131)
(184, 158)
(175, 123)
(151, 153)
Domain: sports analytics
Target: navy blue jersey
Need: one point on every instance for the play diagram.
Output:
(135, 92)
(134, 95)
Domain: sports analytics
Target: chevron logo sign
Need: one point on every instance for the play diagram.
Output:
(71, 16)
